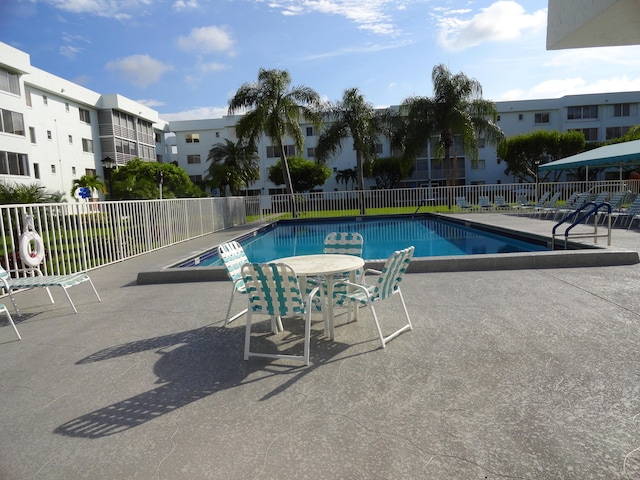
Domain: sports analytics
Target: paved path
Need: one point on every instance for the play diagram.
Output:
(527, 374)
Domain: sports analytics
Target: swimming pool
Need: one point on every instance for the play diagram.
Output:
(431, 236)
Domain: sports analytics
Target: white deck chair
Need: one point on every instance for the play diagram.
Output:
(273, 289)
(387, 285)
(4, 310)
(484, 203)
(233, 257)
(36, 279)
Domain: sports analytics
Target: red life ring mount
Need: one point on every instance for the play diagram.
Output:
(31, 245)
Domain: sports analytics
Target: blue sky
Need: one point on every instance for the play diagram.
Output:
(186, 58)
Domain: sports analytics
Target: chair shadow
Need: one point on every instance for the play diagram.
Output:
(193, 365)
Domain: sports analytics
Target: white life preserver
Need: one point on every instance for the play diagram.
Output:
(31, 248)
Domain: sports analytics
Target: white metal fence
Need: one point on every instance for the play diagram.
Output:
(82, 236)
(408, 200)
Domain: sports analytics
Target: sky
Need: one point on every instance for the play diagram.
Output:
(187, 58)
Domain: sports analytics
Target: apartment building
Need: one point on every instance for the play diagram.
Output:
(53, 131)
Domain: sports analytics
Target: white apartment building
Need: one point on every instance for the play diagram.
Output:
(53, 131)
(599, 116)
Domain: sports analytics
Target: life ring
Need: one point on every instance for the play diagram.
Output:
(31, 248)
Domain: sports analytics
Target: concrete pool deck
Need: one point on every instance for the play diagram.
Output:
(528, 374)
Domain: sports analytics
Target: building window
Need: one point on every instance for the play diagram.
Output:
(85, 115)
(66, 106)
(481, 142)
(53, 169)
(196, 178)
(310, 132)
(311, 152)
(615, 132)
(590, 134)
(73, 170)
(582, 112)
(70, 139)
(378, 148)
(87, 145)
(621, 110)
(32, 134)
(498, 118)
(478, 165)
(542, 117)
(520, 117)
(27, 97)
(274, 152)
(217, 134)
(12, 163)
(192, 159)
(36, 170)
(11, 122)
(48, 134)
(45, 100)
(158, 137)
(192, 138)
(9, 82)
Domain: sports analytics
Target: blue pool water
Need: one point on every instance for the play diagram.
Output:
(430, 236)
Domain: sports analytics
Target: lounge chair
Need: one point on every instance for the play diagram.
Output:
(387, 285)
(4, 310)
(549, 204)
(273, 289)
(462, 204)
(536, 206)
(627, 213)
(35, 279)
(484, 203)
(570, 207)
(501, 203)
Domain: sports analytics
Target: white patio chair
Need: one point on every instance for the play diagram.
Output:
(4, 310)
(233, 257)
(36, 279)
(273, 290)
(387, 285)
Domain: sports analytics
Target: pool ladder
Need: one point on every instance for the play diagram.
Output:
(586, 211)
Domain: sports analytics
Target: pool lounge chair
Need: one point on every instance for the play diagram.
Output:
(569, 207)
(501, 203)
(35, 279)
(462, 204)
(233, 257)
(484, 203)
(536, 206)
(550, 204)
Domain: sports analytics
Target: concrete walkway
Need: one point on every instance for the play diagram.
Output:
(527, 374)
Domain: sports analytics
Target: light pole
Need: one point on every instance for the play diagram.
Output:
(108, 164)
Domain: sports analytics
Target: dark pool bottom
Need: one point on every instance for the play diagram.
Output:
(579, 256)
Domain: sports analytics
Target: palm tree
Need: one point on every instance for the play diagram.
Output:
(92, 182)
(356, 118)
(276, 110)
(233, 164)
(456, 110)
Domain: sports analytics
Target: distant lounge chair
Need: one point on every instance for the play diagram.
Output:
(541, 201)
(36, 279)
(500, 202)
(462, 204)
(484, 203)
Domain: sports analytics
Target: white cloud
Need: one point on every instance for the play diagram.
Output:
(503, 21)
(196, 114)
(103, 8)
(69, 51)
(370, 15)
(151, 103)
(180, 5)
(207, 40)
(559, 87)
(213, 67)
(140, 70)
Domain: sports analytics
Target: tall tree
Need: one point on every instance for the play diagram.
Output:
(305, 174)
(236, 165)
(455, 112)
(351, 117)
(346, 176)
(276, 110)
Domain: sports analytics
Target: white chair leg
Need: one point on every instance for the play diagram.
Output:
(247, 336)
(15, 329)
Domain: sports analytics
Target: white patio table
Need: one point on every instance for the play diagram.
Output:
(326, 265)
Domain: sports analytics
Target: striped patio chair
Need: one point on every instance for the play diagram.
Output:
(387, 285)
(273, 290)
(233, 257)
(36, 279)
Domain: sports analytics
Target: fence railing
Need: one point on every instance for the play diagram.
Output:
(82, 236)
(407, 200)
